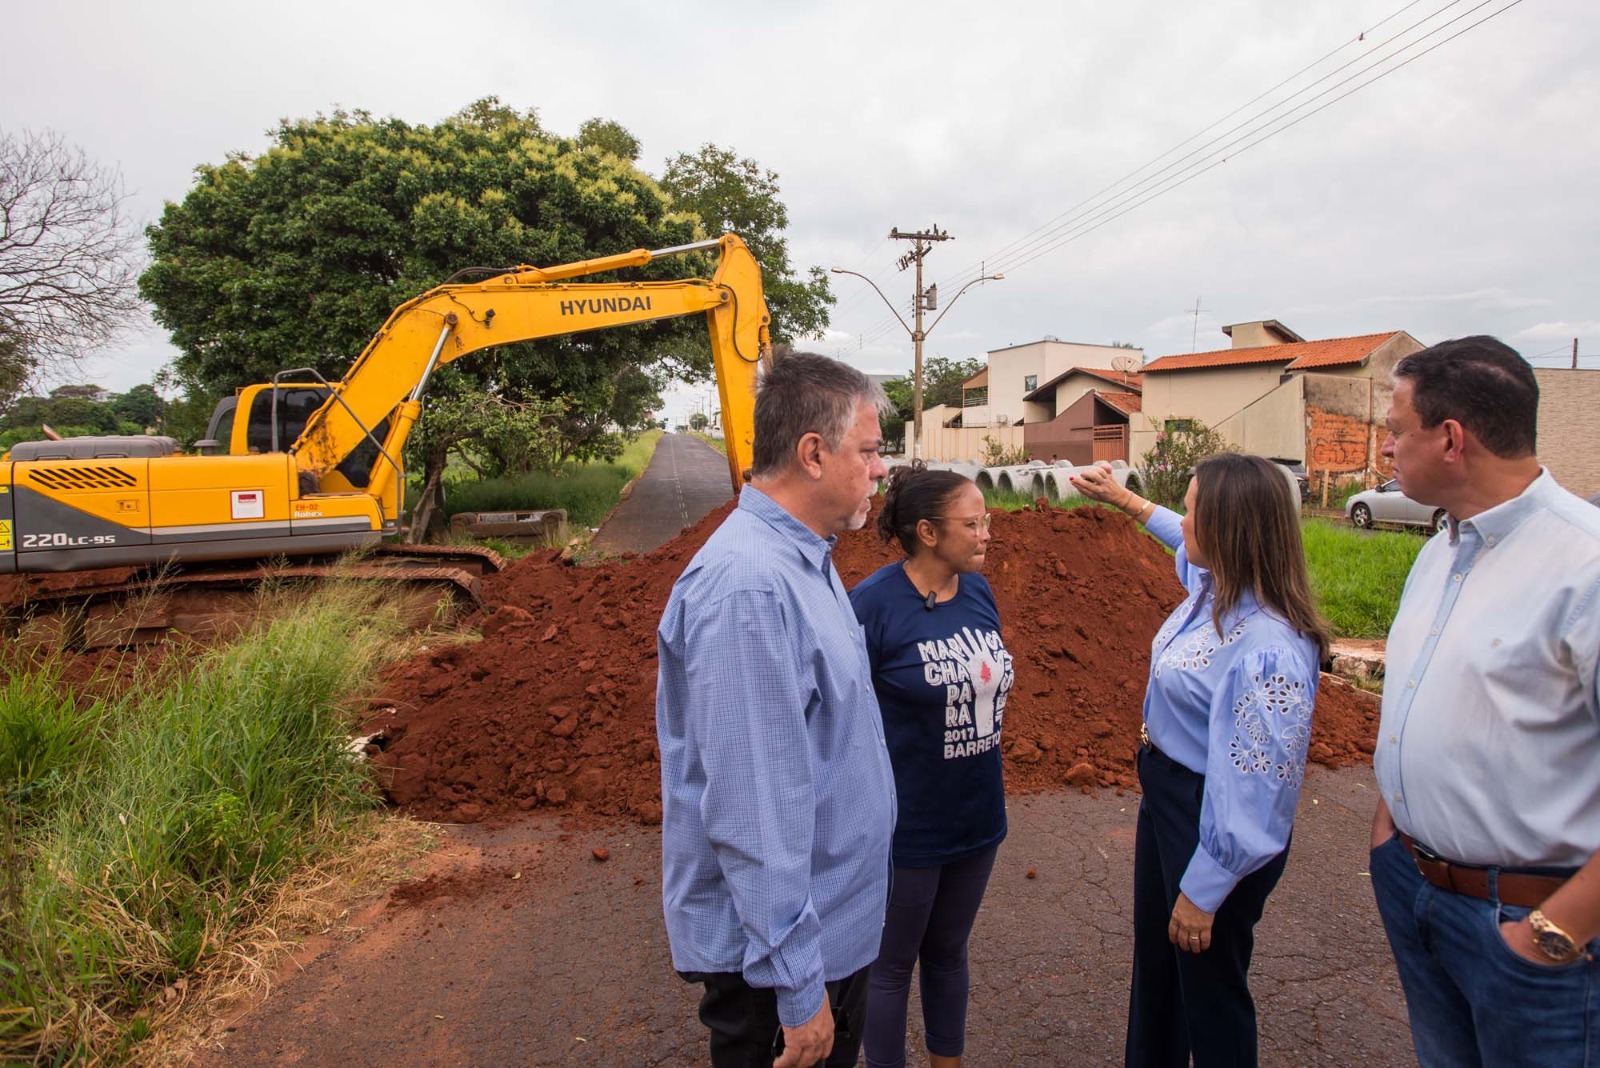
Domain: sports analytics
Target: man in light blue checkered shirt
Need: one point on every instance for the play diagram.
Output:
(776, 791)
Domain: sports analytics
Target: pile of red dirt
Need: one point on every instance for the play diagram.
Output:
(555, 707)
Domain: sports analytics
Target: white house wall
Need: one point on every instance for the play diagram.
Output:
(1009, 369)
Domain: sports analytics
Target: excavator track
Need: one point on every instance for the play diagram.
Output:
(129, 606)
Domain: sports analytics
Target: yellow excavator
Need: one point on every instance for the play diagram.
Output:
(304, 467)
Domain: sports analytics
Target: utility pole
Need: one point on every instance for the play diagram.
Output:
(1574, 354)
(925, 300)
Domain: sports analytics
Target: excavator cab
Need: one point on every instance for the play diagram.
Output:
(295, 403)
(229, 435)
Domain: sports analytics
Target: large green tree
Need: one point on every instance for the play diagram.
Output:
(941, 384)
(140, 406)
(14, 367)
(739, 195)
(293, 258)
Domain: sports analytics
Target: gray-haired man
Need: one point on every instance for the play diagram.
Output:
(777, 794)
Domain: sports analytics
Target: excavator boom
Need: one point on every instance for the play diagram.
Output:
(451, 321)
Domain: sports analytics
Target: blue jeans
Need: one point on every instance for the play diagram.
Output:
(1472, 1000)
(930, 917)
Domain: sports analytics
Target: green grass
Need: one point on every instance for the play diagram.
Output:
(720, 444)
(135, 841)
(1357, 575)
(1018, 502)
(587, 491)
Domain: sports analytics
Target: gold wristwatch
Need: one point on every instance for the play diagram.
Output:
(1552, 942)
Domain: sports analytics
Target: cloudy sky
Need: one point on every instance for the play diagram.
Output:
(1453, 195)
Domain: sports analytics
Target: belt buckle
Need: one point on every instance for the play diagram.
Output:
(1144, 734)
(1427, 854)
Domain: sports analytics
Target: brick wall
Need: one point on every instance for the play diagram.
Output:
(1569, 409)
(1340, 446)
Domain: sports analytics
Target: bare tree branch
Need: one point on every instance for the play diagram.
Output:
(68, 253)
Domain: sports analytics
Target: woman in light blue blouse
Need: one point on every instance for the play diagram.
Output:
(1227, 722)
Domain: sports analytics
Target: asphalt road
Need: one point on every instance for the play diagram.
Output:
(524, 949)
(685, 480)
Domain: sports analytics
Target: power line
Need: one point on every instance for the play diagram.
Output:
(1005, 249)
(1075, 224)
(1059, 230)
(1183, 178)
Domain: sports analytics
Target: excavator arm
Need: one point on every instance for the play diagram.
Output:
(450, 321)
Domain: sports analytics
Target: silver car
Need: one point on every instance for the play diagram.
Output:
(1387, 504)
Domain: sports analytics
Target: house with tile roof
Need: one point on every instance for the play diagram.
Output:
(1321, 403)
(995, 404)
(1081, 415)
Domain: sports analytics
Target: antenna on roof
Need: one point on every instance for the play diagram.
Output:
(1125, 363)
(1194, 336)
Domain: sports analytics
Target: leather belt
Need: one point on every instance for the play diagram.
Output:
(1514, 888)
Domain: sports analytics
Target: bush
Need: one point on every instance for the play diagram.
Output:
(1168, 466)
(997, 455)
(588, 491)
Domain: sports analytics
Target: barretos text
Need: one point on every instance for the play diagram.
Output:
(974, 670)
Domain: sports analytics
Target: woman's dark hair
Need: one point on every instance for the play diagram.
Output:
(1481, 383)
(915, 493)
(1247, 522)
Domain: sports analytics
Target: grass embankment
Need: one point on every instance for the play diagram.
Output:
(1016, 502)
(1357, 575)
(588, 491)
(720, 444)
(142, 832)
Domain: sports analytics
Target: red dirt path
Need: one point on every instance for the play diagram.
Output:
(555, 707)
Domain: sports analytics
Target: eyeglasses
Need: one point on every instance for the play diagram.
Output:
(976, 524)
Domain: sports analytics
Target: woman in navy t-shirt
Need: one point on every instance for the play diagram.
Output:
(942, 674)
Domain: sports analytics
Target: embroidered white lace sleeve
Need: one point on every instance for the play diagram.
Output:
(1260, 731)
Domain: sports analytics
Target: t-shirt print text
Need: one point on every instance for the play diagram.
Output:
(975, 671)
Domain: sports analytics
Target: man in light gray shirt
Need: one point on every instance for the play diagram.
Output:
(1485, 840)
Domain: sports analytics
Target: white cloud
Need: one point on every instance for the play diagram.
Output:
(1464, 190)
(1560, 331)
(1490, 299)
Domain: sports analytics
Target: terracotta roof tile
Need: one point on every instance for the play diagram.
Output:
(1133, 380)
(1126, 403)
(1299, 356)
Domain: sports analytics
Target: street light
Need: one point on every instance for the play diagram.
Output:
(923, 303)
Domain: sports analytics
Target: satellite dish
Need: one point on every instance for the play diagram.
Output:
(1125, 363)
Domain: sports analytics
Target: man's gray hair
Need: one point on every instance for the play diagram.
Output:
(805, 393)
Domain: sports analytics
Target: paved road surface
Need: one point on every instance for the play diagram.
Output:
(686, 479)
(567, 963)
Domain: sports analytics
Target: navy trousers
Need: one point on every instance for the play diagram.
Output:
(1187, 1003)
(930, 917)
